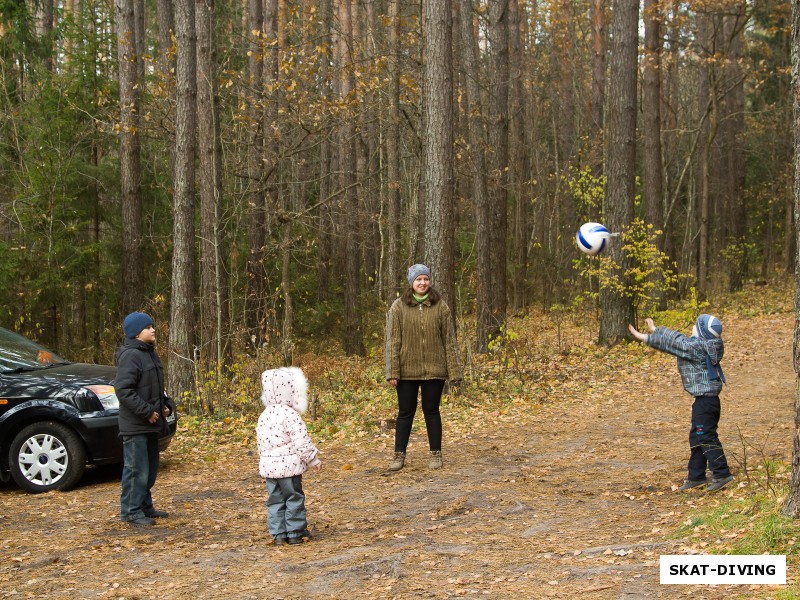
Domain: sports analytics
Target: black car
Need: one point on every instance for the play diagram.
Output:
(56, 416)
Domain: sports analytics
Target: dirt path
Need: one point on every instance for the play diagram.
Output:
(573, 500)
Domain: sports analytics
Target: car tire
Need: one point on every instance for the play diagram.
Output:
(47, 456)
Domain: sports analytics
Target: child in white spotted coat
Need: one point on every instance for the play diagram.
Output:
(286, 451)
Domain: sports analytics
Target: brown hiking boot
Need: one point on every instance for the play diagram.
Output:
(436, 459)
(398, 460)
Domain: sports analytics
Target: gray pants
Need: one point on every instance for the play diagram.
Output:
(286, 508)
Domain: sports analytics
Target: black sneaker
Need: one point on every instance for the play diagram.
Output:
(691, 483)
(293, 541)
(718, 484)
(156, 514)
(278, 541)
(142, 522)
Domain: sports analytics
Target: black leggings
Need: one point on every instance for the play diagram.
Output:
(407, 406)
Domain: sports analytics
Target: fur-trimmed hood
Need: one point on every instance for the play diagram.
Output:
(287, 386)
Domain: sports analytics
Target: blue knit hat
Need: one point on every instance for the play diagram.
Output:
(708, 327)
(134, 323)
(415, 271)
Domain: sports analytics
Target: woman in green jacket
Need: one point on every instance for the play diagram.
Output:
(421, 354)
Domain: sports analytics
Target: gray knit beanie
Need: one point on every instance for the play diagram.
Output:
(415, 271)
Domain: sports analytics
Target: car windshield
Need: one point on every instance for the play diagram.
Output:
(18, 353)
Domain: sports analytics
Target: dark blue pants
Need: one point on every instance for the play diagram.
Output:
(706, 449)
(141, 455)
(286, 507)
(407, 390)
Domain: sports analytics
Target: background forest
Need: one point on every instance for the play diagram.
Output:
(258, 174)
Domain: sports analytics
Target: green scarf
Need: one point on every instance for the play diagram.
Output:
(421, 299)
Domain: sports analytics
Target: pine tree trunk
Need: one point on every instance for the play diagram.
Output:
(256, 222)
(391, 277)
(651, 114)
(519, 160)
(439, 232)
(792, 506)
(477, 152)
(353, 342)
(598, 85)
(182, 321)
(616, 308)
(166, 28)
(213, 317)
(498, 187)
(130, 160)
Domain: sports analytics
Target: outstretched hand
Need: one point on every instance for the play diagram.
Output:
(642, 337)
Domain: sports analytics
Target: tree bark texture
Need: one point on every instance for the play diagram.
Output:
(519, 160)
(791, 507)
(598, 84)
(439, 233)
(182, 321)
(256, 222)
(353, 342)
(130, 160)
(617, 309)
(392, 276)
(491, 299)
(213, 271)
(651, 113)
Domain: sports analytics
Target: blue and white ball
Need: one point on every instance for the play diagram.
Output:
(591, 238)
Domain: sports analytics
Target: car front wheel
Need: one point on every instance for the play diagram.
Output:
(47, 456)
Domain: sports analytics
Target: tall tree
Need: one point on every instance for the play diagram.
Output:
(439, 234)
(130, 159)
(519, 167)
(353, 342)
(651, 113)
(392, 263)
(598, 85)
(182, 320)
(734, 210)
(492, 221)
(791, 507)
(478, 144)
(256, 222)
(616, 308)
(166, 27)
(213, 271)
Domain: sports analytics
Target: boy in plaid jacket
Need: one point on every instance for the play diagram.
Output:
(702, 377)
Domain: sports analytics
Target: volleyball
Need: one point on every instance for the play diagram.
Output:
(591, 238)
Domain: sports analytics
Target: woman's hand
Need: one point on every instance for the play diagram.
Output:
(393, 382)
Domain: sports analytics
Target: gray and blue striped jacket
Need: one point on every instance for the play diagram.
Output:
(691, 353)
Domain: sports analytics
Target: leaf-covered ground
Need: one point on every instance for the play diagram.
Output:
(570, 497)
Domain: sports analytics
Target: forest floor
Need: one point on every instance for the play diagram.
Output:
(572, 498)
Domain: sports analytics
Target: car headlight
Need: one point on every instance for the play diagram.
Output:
(106, 394)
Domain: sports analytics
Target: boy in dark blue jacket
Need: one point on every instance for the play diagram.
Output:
(701, 374)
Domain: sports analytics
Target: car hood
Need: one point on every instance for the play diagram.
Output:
(54, 382)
